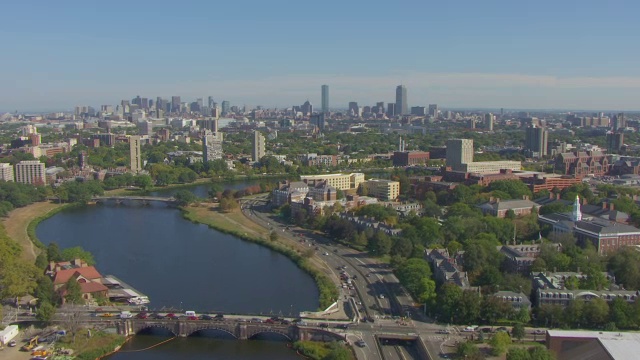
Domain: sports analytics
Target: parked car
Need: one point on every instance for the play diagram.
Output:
(361, 343)
(171, 316)
(503, 329)
(106, 315)
(206, 317)
(539, 332)
(342, 326)
(158, 316)
(442, 331)
(486, 330)
(324, 325)
(219, 317)
(12, 343)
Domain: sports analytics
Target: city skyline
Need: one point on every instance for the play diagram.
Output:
(520, 56)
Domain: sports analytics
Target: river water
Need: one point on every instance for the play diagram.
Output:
(188, 266)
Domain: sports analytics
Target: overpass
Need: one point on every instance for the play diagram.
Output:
(119, 199)
(241, 330)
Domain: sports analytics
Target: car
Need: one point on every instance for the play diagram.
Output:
(192, 318)
(471, 328)
(381, 296)
(368, 275)
(324, 325)
(335, 251)
(206, 317)
(106, 315)
(157, 316)
(502, 328)
(442, 331)
(285, 322)
(270, 321)
(142, 315)
(342, 326)
(219, 317)
(539, 332)
(256, 320)
(325, 254)
(12, 343)
(361, 343)
(171, 316)
(485, 330)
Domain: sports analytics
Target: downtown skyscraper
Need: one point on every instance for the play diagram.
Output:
(401, 100)
(325, 99)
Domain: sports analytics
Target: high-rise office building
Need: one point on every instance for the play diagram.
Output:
(258, 147)
(209, 124)
(614, 142)
(325, 99)
(210, 102)
(488, 121)
(31, 172)
(391, 109)
(212, 146)
(6, 172)
(401, 100)
(226, 107)
(134, 154)
(618, 122)
(536, 139)
(317, 120)
(433, 110)
(459, 151)
(175, 104)
(354, 110)
(306, 108)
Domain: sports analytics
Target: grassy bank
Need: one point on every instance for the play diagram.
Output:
(247, 231)
(94, 347)
(33, 224)
(322, 350)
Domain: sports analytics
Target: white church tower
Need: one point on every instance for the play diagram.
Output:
(577, 214)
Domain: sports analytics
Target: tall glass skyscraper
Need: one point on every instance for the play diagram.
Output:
(325, 99)
(401, 100)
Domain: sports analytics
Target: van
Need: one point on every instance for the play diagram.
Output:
(126, 315)
(190, 313)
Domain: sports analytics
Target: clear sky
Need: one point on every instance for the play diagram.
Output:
(513, 54)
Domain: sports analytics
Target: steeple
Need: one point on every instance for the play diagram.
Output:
(577, 214)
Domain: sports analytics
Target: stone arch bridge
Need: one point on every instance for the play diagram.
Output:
(237, 329)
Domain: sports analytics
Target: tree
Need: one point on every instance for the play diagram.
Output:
(45, 312)
(402, 247)
(77, 252)
(337, 352)
(499, 342)
(540, 353)
(518, 353)
(73, 292)
(41, 261)
(468, 350)
(625, 265)
(596, 313)
(184, 197)
(447, 301)
(53, 252)
(518, 331)
(273, 236)
(380, 244)
(143, 181)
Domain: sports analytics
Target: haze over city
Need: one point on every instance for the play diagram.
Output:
(501, 54)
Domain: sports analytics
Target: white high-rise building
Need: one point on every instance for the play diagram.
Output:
(6, 172)
(31, 172)
(212, 146)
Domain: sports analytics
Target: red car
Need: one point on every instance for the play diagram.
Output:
(171, 316)
(192, 318)
(142, 315)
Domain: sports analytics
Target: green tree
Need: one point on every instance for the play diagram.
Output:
(499, 342)
(447, 301)
(77, 252)
(45, 312)
(184, 197)
(53, 252)
(380, 244)
(273, 235)
(468, 350)
(337, 352)
(518, 353)
(540, 353)
(143, 181)
(596, 313)
(73, 292)
(518, 331)
(41, 261)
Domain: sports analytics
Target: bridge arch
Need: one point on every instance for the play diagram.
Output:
(259, 331)
(212, 327)
(143, 327)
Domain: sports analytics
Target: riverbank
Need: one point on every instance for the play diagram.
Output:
(21, 220)
(236, 224)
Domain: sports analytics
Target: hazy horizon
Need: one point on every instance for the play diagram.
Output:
(542, 55)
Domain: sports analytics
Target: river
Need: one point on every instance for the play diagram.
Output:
(188, 266)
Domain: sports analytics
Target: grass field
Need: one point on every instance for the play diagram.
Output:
(18, 220)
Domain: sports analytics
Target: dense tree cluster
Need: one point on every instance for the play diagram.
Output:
(15, 195)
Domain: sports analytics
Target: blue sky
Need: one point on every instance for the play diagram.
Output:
(512, 54)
